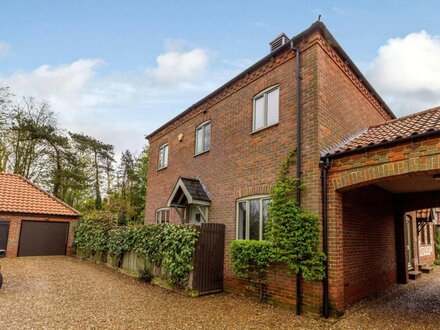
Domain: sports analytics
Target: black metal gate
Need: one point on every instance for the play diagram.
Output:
(43, 238)
(4, 233)
(209, 259)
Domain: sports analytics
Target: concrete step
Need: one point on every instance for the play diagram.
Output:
(427, 269)
(414, 275)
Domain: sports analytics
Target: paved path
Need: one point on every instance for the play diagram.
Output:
(67, 293)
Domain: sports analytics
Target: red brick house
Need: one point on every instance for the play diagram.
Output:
(217, 161)
(33, 222)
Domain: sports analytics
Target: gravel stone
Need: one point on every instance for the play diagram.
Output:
(68, 293)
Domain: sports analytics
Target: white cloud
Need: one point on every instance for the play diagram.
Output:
(174, 67)
(406, 72)
(120, 108)
(5, 49)
(52, 82)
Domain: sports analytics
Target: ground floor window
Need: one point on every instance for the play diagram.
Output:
(252, 217)
(163, 215)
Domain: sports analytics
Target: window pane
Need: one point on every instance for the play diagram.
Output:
(207, 137)
(157, 216)
(241, 220)
(167, 216)
(273, 99)
(259, 113)
(165, 156)
(199, 140)
(254, 230)
(160, 165)
(266, 203)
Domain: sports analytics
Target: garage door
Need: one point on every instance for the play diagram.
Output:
(43, 238)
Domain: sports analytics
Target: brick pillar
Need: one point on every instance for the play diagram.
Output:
(401, 253)
(336, 251)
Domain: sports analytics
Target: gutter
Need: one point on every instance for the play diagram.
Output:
(325, 166)
(298, 156)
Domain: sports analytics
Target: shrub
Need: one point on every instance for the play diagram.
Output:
(178, 250)
(169, 246)
(437, 242)
(121, 240)
(251, 260)
(91, 234)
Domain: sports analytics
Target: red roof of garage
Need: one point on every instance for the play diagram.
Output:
(391, 131)
(19, 195)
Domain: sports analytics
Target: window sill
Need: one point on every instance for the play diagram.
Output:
(263, 128)
(202, 153)
(162, 168)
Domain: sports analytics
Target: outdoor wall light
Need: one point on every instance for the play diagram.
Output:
(180, 137)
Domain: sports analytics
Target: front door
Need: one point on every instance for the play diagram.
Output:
(409, 249)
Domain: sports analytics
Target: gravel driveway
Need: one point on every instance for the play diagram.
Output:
(62, 292)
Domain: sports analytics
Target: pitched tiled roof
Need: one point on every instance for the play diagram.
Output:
(18, 195)
(196, 189)
(393, 130)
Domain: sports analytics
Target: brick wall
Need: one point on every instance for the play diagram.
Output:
(15, 226)
(369, 242)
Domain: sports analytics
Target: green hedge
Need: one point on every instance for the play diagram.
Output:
(169, 246)
(251, 260)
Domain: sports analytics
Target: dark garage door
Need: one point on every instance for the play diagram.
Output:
(4, 233)
(43, 238)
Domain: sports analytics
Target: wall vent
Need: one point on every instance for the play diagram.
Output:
(278, 42)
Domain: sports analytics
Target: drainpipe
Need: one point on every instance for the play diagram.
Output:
(298, 157)
(325, 166)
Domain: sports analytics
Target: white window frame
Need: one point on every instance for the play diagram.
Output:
(161, 163)
(202, 127)
(264, 94)
(247, 200)
(161, 215)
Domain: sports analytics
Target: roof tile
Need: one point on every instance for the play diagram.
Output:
(393, 130)
(18, 195)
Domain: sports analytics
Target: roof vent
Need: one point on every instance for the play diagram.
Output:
(278, 42)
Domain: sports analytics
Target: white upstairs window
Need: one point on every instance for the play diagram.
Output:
(266, 108)
(203, 138)
(163, 157)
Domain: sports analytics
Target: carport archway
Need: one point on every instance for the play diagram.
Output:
(369, 183)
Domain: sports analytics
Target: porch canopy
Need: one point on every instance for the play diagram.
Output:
(187, 192)
(191, 200)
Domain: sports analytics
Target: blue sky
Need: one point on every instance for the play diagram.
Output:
(119, 69)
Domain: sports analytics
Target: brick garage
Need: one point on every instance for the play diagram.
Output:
(33, 222)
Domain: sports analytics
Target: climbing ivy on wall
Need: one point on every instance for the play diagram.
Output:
(169, 246)
(293, 231)
(292, 237)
